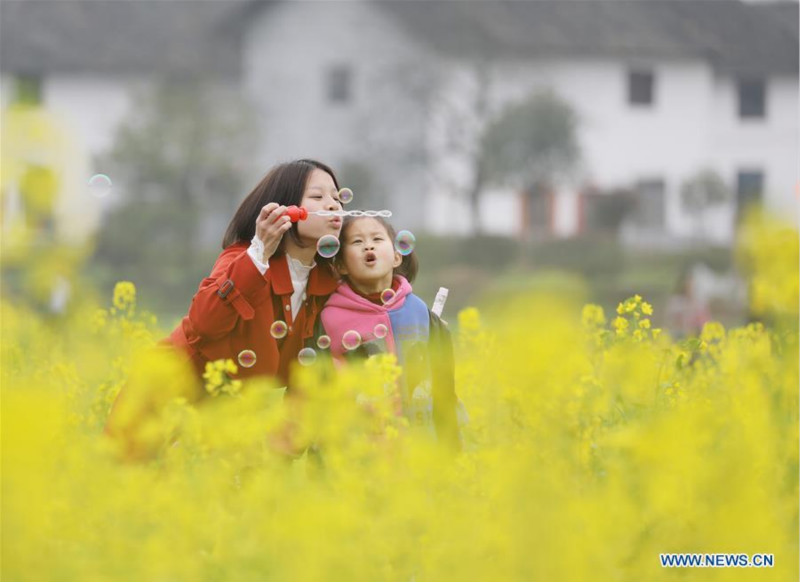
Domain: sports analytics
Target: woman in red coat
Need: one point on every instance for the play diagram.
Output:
(267, 287)
(264, 294)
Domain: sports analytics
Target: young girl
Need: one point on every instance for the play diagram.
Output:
(373, 310)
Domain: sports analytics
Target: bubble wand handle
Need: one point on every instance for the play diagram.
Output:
(296, 213)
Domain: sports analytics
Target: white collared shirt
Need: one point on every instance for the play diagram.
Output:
(297, 270)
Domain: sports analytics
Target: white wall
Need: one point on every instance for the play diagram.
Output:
(80, 114)
(92, 105)
(619, 144)
(693, 125)
(6, 89)
(288, 49)
(289, 46)
(90, 108)
(770, 145)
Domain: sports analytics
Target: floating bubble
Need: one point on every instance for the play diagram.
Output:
(247, 358)
(328, 246)
(100, 185)
(279, 329)
(380, 331)
(307, 356)
(324, 342)
(404, 242)
(351, 340)
(385, 213)
(345, 195)
(387, 295)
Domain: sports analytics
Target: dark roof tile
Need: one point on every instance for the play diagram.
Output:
(117, 36)
(204, 36)
(734, 37)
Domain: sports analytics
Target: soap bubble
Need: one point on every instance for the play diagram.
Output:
(279, 329)
(345, 195)
(328, 246)
(247, 358)
(324, 342)
(351, 340)
(387, 295)
(307, 356)
(100, 185)
(380, 331)
(404, 242)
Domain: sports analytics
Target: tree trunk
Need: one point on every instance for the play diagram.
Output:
(475, 199)
(531, 194)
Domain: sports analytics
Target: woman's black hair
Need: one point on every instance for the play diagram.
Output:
(284, 184)
(408, 268)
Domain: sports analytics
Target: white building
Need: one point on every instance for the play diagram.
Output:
(662, 90)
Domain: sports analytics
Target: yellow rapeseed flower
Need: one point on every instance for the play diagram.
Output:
(218, 377)
(576, 425)
(469, 319)
(593, 316)
(124, 295)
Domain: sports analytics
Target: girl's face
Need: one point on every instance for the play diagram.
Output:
(320, 194)
(368, 255)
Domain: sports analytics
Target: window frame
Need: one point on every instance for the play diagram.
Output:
(752, 194)
(339, 84)
(635, 97)
(745, 107)
(641, 217)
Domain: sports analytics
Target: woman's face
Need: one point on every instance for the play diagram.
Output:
(320, 194)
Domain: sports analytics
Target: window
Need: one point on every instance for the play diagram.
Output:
(752, 99)
(605, 211)
(28, 90)
(340, 80)
(641, 86)
(539, 209)
(650, 203)
(749, 189)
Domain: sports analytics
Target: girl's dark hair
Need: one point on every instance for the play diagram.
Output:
(284, 184)
(408, 268)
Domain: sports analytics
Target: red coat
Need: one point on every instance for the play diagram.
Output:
(235, 307)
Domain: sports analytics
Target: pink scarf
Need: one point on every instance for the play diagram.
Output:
(347, 311)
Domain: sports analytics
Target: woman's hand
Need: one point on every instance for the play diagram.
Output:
(271, 223)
